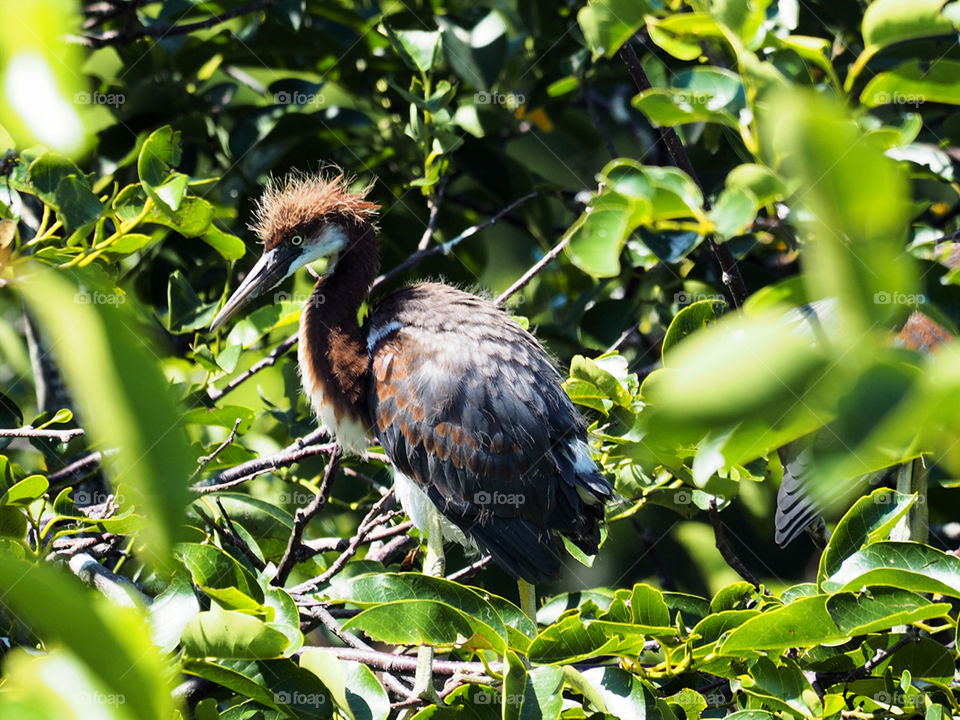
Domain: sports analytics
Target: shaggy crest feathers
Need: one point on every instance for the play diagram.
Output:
(300, 198)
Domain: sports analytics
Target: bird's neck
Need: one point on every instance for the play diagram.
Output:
(333, 350)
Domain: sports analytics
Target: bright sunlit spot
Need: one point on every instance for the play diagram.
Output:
(31, 89)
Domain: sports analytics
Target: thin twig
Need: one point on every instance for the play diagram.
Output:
(433, 202)
(730, 272)
(320, 613)
(366, 525)
(76, 470)
(32, 432)
(723, 545)
(303, 448)
(826, 679)
(271, 359)
(448, 246)
(335, 544)
(205, 460)
(237, 540)
(403, 663)
(470, 570)
(303, 516)
(537, 267)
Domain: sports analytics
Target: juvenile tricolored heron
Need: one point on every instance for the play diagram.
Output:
(486, 447)
(801, 500)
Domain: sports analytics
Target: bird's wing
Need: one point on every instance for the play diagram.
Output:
(466, 403)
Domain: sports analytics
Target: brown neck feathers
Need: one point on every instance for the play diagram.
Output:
(336, 348)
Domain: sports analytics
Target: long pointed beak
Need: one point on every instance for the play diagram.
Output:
(270, 270)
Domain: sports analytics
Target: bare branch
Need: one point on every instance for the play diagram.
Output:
(723, 545)
(366, 525)
(433, 202)
(470, 570)
(271, 359)
(728, 265)
(32, 432)
(448, 246)
(303, 448)
(390, 662)
(205, 460)
(76, 471)
(303, 516)
(118, 589)
(537, 267)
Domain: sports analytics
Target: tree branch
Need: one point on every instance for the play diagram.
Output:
(723, 545)
(303, 448)
(445, 248)
(366, 525)
(537, 267)
(303, 516)
(271, 359)
(31, 432)
(730, 272)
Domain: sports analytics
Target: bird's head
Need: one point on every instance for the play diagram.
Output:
(299, 220)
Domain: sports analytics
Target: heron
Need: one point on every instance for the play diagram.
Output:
(801, 500)
(487, 449)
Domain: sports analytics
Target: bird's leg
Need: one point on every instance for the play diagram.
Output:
(433, 565)
(528, 599)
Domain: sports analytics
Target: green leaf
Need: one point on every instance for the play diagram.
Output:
(784, 686)
(112, 373)
(424, 622)
(229, 246)
(802, 623)
(231, 635)
(220, 576)
(765, 184)
(735, 211)
(690, 319)
(111, 641)
(608, 24)
(698, 95)
(159, 153)
(187, 311)
(353, 687)
(46, 173)
(419, 49)
(76, 203)
(881, 608)
(624, 694)
(25, 491)
(596, 239)
(171, 610)
(854, 251)
(225, 416)
(910, 566)
(648, 607)
(913, 83)
(535, 694)
(575, 638)
(886, 22)
(240, 682)
(871, 518)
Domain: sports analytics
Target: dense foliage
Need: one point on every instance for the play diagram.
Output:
(674, 176)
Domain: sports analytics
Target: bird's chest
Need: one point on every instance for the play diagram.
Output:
(351, 431)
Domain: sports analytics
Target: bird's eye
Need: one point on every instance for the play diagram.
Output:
(296, 240)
